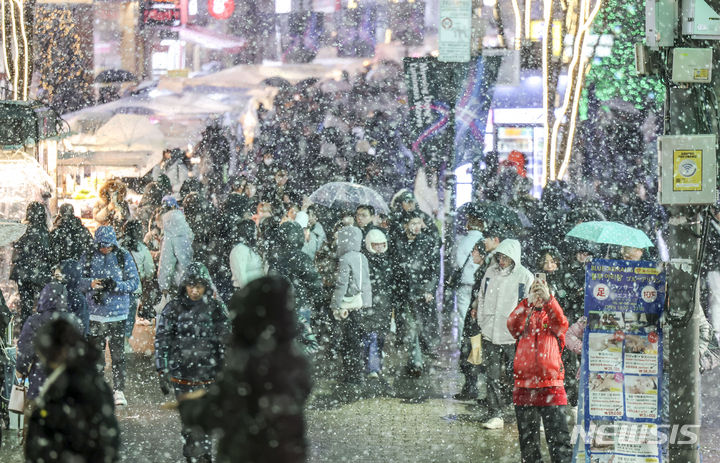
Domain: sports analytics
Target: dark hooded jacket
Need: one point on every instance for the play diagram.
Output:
(70, 239)
(77, 304)
(258, 401)
(190, 335)
(74, 417)
(416, 266)
(52, 304)
(296, 266)
(31, 253)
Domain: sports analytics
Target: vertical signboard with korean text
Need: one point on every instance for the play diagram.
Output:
(454, 30)
(622, 362)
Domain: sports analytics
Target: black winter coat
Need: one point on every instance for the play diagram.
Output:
(190, 337)
(377, 318)
(258, 401)
(296, 266)
(31, 257)
(70, 240)
(74, 420)
(416, 266)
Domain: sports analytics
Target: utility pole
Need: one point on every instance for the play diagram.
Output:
(677, 41)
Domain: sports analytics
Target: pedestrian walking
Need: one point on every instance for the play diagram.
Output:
(539, 325)
(172, 165)
(189, 348)
(31, 259)
(132, 241)
(505, 283)
(269, 369)
(176, 251)
(351, 297)
(377, 319)
(109, 279)
(52, 304)
(74, 417)
(416, 270)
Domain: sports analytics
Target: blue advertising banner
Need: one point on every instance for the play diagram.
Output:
(622, 363)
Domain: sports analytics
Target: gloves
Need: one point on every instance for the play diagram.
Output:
(108, 284)
(164, 379)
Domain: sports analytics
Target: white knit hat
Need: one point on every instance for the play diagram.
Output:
(374, 236)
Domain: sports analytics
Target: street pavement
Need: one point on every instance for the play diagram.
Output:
(344, 428)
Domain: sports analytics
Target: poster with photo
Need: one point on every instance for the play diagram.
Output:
(622, 361)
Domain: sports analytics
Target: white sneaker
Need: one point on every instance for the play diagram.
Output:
(373, 375)
(493, 423)
(120, 399)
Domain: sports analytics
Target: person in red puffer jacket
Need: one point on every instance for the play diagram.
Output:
(539, 325)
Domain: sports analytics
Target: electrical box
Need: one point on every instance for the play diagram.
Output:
(660, 23)
(692, 65)
(699, 20)
(688, 169)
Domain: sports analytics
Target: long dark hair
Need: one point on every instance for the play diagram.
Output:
(132, 235)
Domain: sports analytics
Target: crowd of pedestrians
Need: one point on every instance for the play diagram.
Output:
(239, 270)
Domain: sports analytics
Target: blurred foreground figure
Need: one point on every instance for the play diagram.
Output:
(74, 417)
(257, 403)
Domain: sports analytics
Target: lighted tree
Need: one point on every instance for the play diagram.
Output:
(614, 76)
(16, 33)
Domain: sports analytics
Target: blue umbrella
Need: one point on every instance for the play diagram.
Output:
(611, 233)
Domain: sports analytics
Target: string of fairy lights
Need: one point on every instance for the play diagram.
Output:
(17, 65)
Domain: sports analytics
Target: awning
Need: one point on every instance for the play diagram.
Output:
(138, 161)
(211, 39)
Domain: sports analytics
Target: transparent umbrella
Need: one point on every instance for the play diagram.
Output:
(348, 194)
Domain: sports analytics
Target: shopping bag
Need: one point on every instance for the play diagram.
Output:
(475, 356)
(17, 398)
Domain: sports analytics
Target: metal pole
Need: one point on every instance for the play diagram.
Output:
(683, 337)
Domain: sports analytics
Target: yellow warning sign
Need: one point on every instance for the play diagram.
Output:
(701, 74)
(687, 170)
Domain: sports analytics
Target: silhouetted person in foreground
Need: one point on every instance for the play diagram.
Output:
(265, 422)
(74, 417)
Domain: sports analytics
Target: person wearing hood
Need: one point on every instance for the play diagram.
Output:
(503, 285)
(172, 165)
(110, 277)
(112, 209)
(52, 304)
(176, 250)
(376, 319)
(189, 347)
(246, 264)
(351, 298)
(269, 368)
(69, 239)
(149, 203)
(74, 417)
(290, 262)
(464, 263)
(416, 270)
(31, 259)
(539, 326)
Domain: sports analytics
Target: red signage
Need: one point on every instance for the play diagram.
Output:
(161, 13)
(221, 9)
